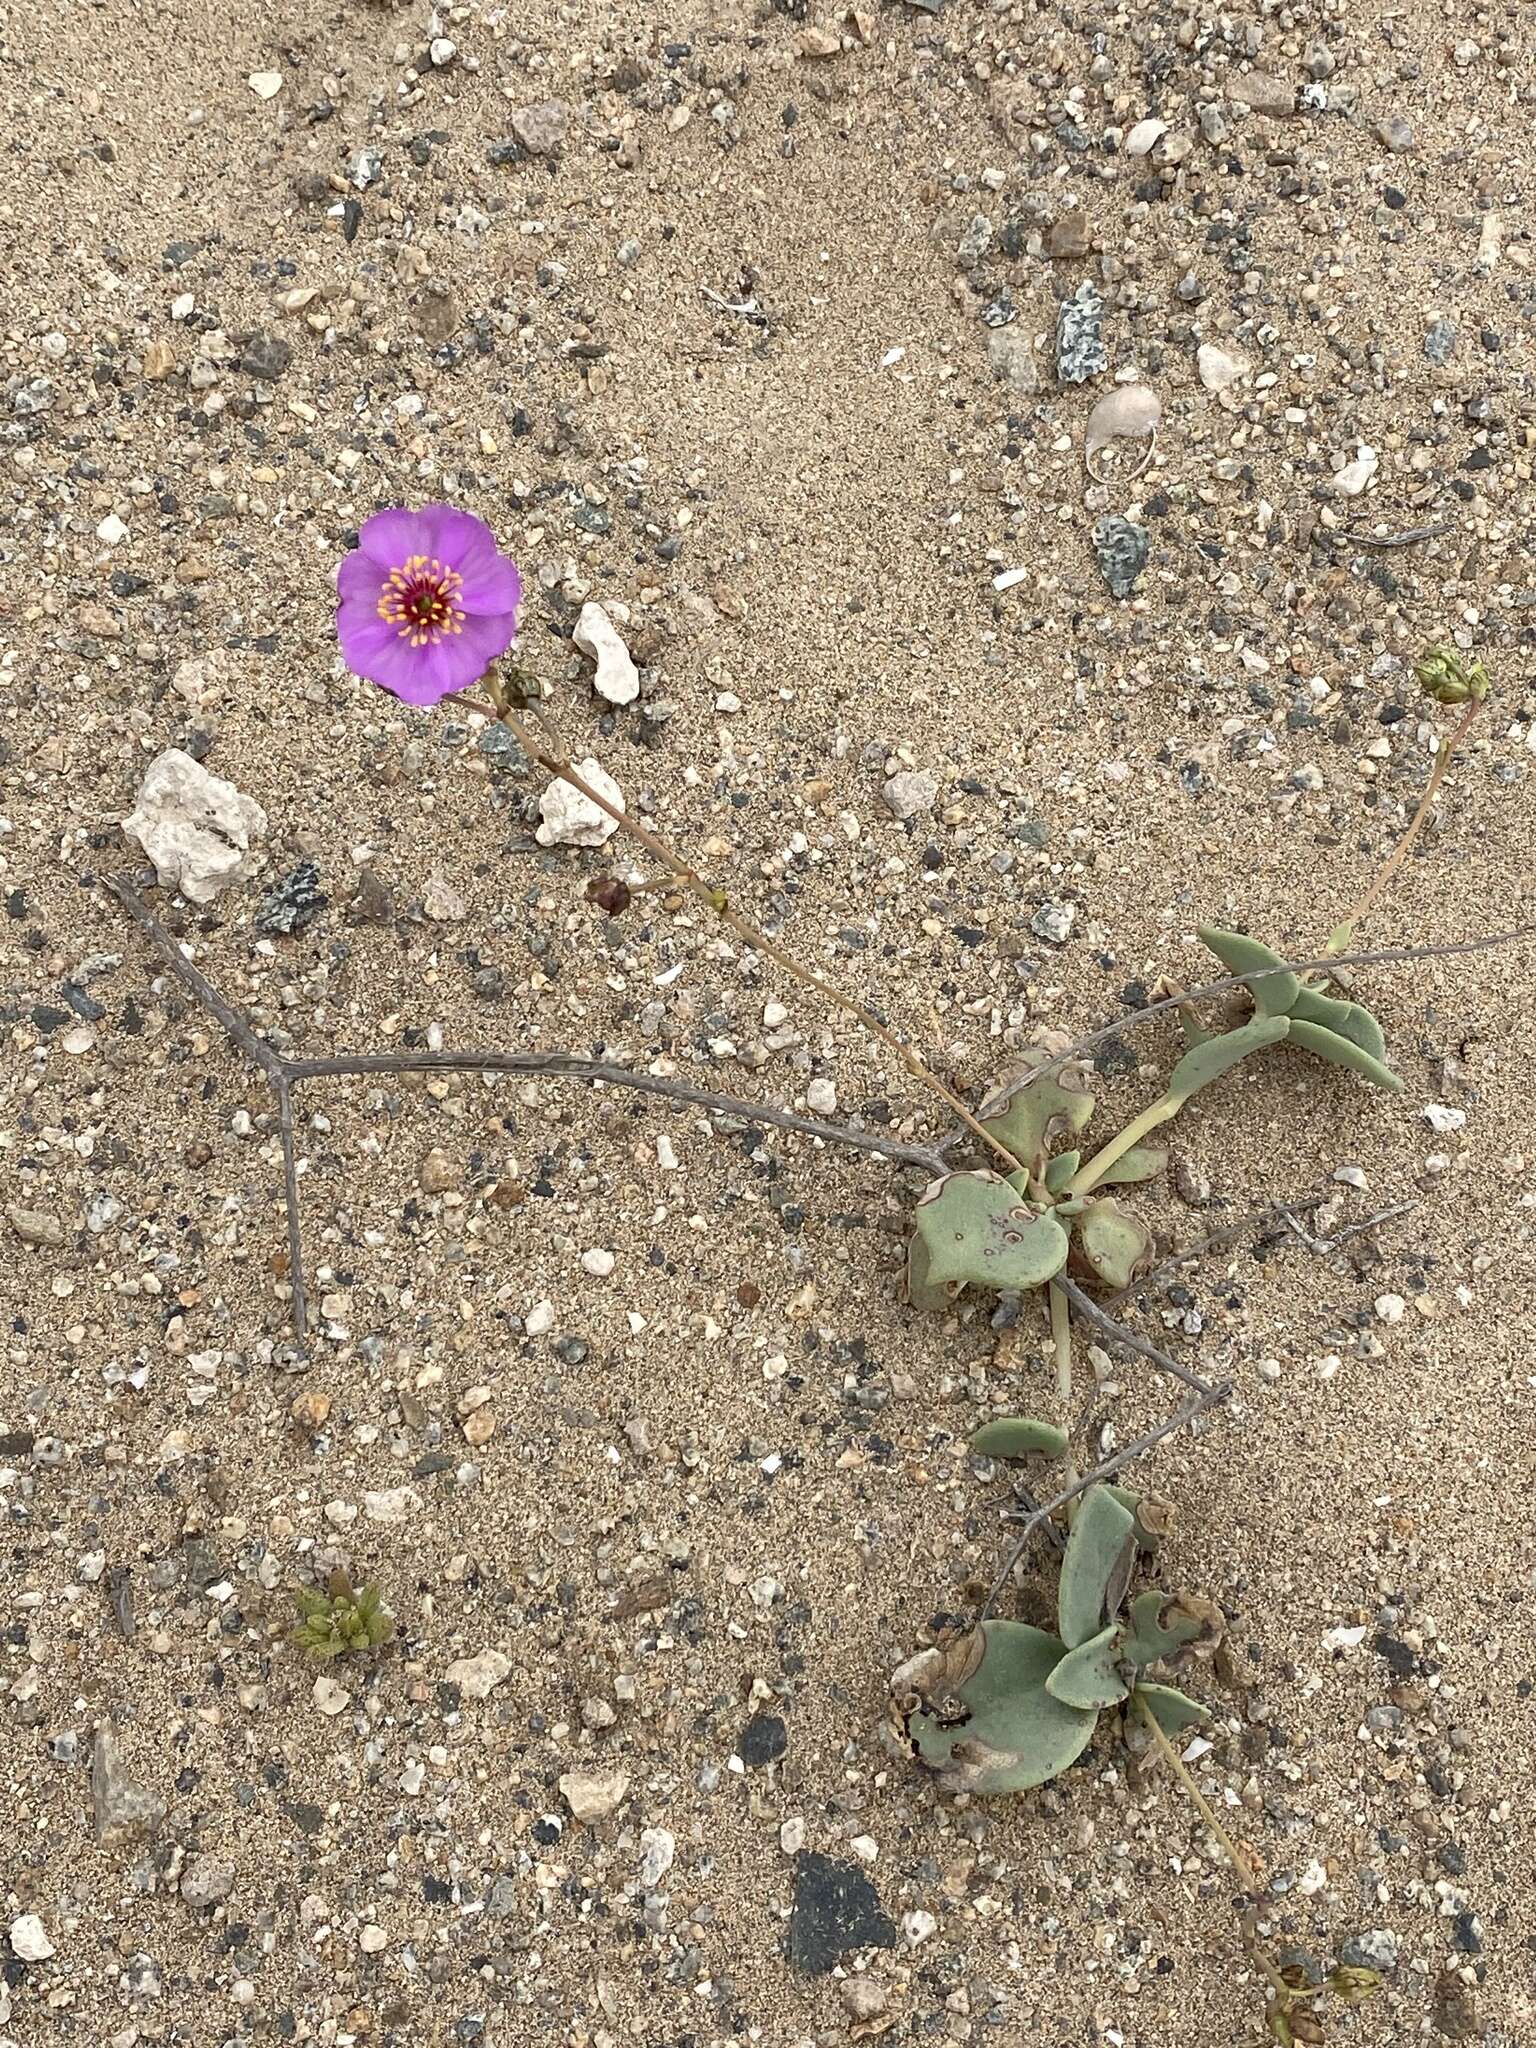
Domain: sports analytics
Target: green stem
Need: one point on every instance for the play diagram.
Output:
(1239, 1862)
(1088, 1175)
(1061, 1339)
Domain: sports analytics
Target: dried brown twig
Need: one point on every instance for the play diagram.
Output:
(281, 1074)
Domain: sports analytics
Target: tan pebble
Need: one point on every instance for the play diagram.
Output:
(480, 1427)
(438, 1173)
(311, 1409)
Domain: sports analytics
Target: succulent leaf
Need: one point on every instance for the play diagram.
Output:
(1273, 994)
(975, 1229)
(1162, 1624)
(922, 1290)
(1142, 1162)
(977, 1712)
(1203, 1064)
(1112, 1244)
(1172, 1710)
(1342, 1052)
(1350, 1020)
(1101, 1542)
(1089, 1676)
(1016, 1436)
(1060, 1170)
(1025, 1114)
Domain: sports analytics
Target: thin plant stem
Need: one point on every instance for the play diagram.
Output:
(1343, 934)
(1246, 1874)
(1061, 1340)
(1127, 1339)
(1092, 1171)
(717, 899)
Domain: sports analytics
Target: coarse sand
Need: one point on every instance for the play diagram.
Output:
(742, 321)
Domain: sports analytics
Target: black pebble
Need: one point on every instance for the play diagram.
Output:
(763, 1741)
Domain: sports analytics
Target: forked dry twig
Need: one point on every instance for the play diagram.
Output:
(282, 1074)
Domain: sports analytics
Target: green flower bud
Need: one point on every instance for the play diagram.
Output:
(1354, 1984)
(1451, 678)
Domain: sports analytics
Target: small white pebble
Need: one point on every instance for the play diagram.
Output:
(373, 1940)
(1268, 1368)
(1351, 1176)
(916, 1926)
(112, 530)
(1327, 1367)
(29, 1939)
(666, 1154)
(821, 1097)
(774, 1014)
(598, 1263)
(1441, 1121)
(1390, 1308)
(331, 1698)
(792, 1836)
(540, 1319)
(865, 1847)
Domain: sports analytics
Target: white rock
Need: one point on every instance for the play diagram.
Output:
(442, 50)
(1217, 370)
(1443, 1121)
(29, 1938)
(204, 678)
(1390, 1308)
(1144, 137)
(821, 1096)
(478, 1677)
(657, 1852)
(372, 1939)
(1352, 479)
(397, 1504)
(917, 1925)
(332, 1699)
(540, 1319)
(792, 1836)
(198, 829)
(913, 791)
(593, 1795)
(1131, 412)
(617, 678)
(265, 84)
(441, 901)
(571, 819)
(112, 530)
(598, 1262)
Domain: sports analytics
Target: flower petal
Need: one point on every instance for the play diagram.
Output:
(494, 586)
(360, 579)
(392, 537)
(457, 538)
(486, 635)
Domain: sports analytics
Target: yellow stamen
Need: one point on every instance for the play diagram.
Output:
(421, 601)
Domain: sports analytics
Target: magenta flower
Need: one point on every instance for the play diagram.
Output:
(426, 602)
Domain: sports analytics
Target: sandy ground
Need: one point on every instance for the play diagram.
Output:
(718, 357)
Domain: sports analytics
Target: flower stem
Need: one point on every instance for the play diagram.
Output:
(1088, 1175)
(1061, 1339)
(1342, 936)
(1246, 1874)
(717, 899)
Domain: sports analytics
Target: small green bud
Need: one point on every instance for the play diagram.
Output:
(1354, 1984)
(1451, 678)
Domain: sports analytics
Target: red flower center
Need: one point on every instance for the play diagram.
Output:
(421, 601)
